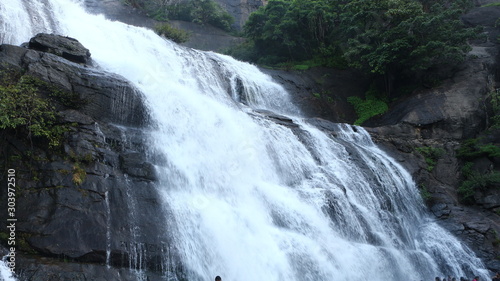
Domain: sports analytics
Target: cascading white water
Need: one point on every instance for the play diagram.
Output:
(252, 199)
(5, 272)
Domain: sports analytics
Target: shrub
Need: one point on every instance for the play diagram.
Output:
(22, 106)
(172, 33)
(431, 155)
(79, 174)
(372, 105)
(474, 181)
(472, 148)
(201, 12)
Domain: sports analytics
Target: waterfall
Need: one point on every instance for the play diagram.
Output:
(5, 272)
(252, 196)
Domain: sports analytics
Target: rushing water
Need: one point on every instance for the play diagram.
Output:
(252, 199)
(5, 272)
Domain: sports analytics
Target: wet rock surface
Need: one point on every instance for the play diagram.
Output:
(87, 209)
(66, 47)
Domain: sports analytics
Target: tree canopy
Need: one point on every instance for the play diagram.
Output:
(386, 37)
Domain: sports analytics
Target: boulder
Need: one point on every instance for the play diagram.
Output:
(100, 95)
(66, 47)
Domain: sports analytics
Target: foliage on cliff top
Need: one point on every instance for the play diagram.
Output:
(197, 11)
(201, 12)
(392, 38)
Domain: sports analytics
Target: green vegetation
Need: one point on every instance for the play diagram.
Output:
(201, 12)
(476, 148)
(475, 180)
(392, 36)
(495, 106)
(324, 95)
(426, 195)
(391, 39)
(431, 155)
(23, 108)
(473, 148)
(197, 11)
(374, 104)
(172, 33)
(491, 4)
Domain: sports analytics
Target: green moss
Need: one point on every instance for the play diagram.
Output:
(491, 4)
(375, 103)
(431, 155)
(67, 99)
(23, 244)
(24, 108)
(4, 237)
(473, 148)
(301, 67)
(495, 103)
(426, 195)
(172, 33)
(473, 181)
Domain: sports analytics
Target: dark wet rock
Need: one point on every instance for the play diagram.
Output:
(135, 164)
(91, 200)
(45, 269)
(279, 119)
(440, 210)
(321, 92)
(99, 95)
(66, 47)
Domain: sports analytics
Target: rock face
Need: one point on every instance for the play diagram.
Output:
(202, 37)
(79, 202)
(443, 118)
(322, 92)
(66, 47)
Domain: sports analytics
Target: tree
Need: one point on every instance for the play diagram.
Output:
(201, 12)
(398, 37)
(292, 29)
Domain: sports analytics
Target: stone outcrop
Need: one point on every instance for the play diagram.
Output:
(66, 47)
(79, 202)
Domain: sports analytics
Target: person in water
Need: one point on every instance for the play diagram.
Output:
(217, 278)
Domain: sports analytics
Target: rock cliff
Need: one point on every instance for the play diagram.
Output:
(443, 119)
(77, 204)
